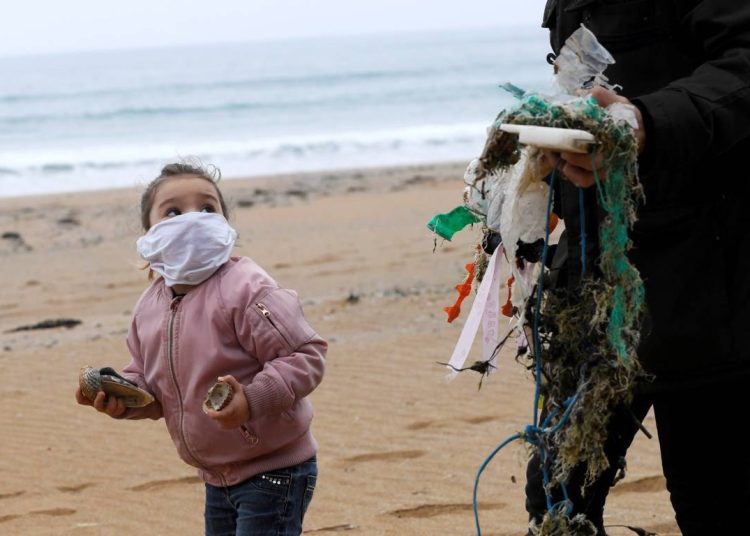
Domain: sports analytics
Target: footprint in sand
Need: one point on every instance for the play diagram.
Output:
(159, 484)
(333, 528)
(442, 423)
(432, 510)
(75, 488)
(421, 425)
(481, 419)
(325, 259)
(386, 456)
(342, 271)
(645, 484)
(13, 394)
(51, 512)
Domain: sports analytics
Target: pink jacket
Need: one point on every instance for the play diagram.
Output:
(238, 322)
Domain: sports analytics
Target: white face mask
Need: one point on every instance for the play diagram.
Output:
(187, 249)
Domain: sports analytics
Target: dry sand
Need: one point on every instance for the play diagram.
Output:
(399, 447)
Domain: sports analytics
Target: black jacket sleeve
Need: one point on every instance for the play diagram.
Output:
(706, 114)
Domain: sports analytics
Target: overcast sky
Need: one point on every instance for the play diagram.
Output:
(38, 26)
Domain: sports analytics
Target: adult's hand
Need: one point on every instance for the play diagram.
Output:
(579, 168)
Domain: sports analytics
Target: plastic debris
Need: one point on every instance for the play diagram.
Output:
(448, 224)
(464, 289)
(581, 63)
(581, 340)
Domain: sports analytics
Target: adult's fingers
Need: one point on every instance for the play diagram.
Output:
(604, 97)
(581, 177)
(552, 157)
(580, 169)
(583, 160)
(578, 175)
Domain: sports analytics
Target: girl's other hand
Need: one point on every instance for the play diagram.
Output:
(112, 406)
(237, 411)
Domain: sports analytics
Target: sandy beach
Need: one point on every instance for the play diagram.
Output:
(399, 446)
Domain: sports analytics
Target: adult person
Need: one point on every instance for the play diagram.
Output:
(685, 65)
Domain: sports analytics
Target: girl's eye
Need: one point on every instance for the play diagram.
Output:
(208, 208)
(173, 212)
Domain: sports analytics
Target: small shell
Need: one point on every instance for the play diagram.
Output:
(219, 396)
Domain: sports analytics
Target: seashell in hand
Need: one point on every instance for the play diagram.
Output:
(92, 380)
(219, 396)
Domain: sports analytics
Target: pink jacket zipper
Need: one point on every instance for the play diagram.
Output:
(173, 307)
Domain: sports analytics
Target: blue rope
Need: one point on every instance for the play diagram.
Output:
(533, 431)
(582, 217)
(530, 434)
(479, 473)
(540, 284)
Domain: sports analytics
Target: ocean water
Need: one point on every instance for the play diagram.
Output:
(96, 120)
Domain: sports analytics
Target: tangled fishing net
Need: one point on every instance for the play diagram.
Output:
(580, 341)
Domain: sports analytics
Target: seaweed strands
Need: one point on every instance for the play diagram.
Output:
(560, 525)
(588, 336)
(578, 361)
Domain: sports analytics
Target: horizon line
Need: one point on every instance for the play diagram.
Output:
(288, 38)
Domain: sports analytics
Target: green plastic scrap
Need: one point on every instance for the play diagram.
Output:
(514, 90)
(446, 225)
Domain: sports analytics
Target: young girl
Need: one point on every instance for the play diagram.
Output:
(212, 316)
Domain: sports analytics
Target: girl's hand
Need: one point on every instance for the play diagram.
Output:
(578, 168)
(237, 411)
(112, 406)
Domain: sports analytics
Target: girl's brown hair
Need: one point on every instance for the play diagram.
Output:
(209, 173)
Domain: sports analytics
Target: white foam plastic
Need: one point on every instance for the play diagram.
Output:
(556, 139)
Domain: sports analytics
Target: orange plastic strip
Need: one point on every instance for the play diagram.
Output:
(507, 309)
(464, 289)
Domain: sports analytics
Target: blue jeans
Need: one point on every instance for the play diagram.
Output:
(268, 504)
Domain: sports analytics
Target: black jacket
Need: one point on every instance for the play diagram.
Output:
(686, 65)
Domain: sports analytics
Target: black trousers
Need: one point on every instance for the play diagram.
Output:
(705, 462)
